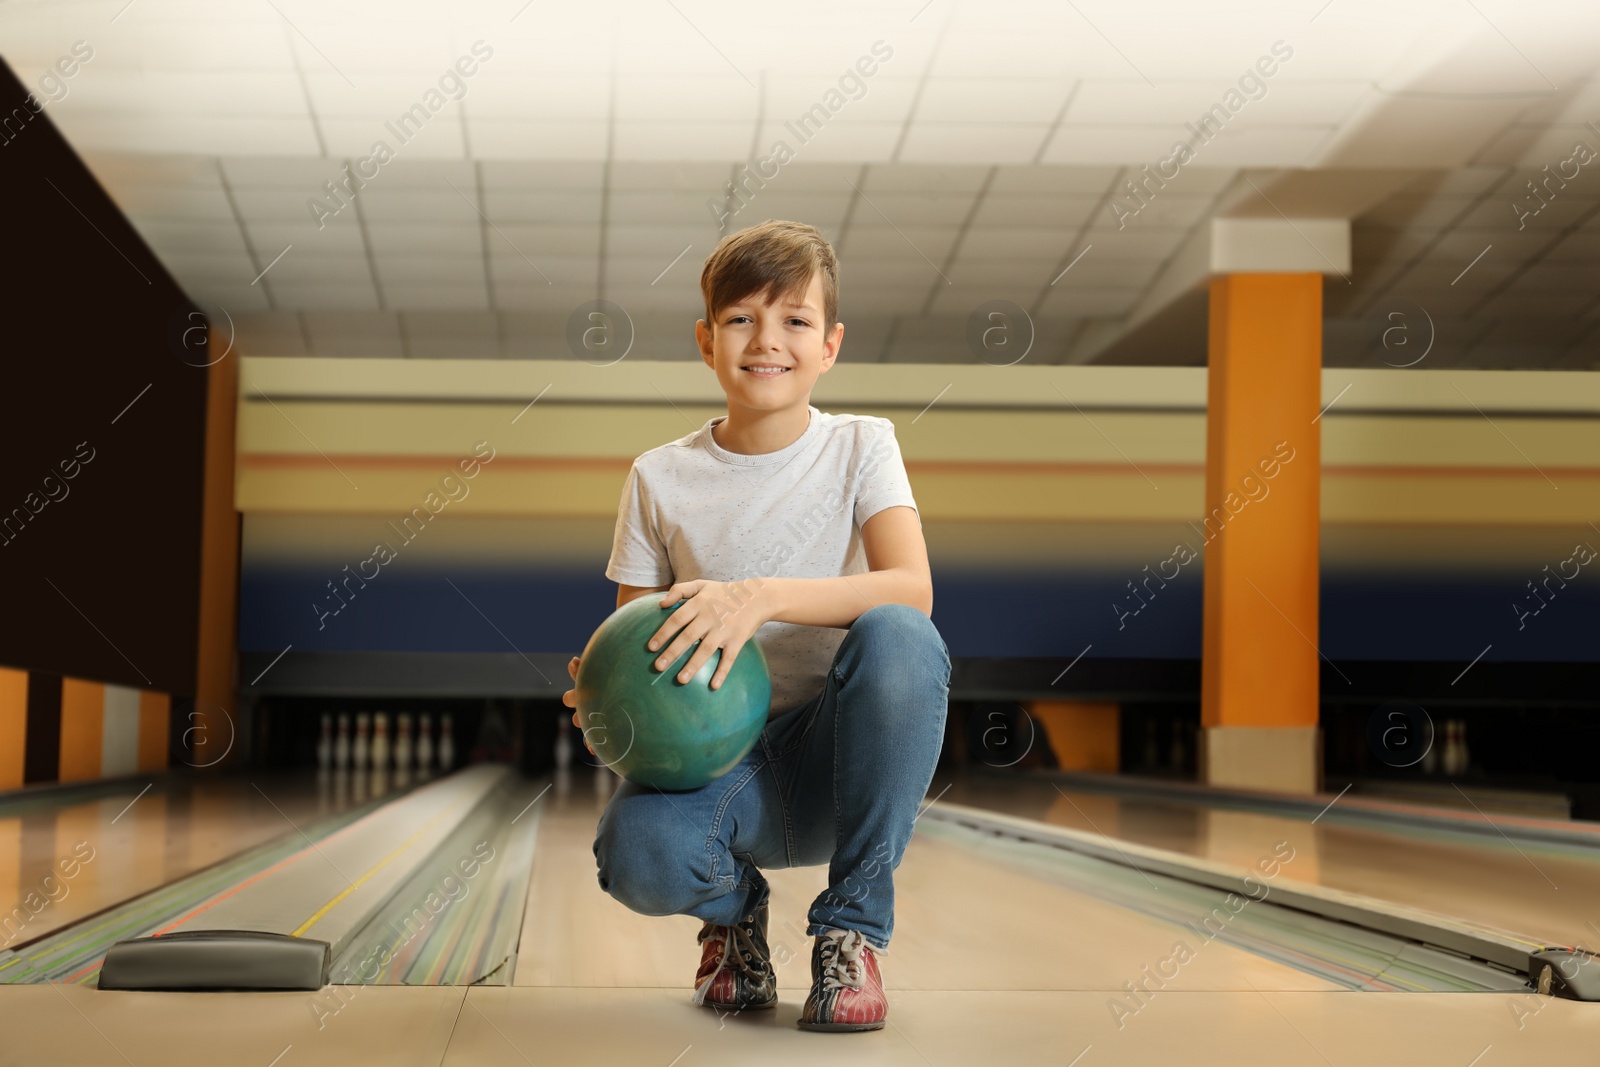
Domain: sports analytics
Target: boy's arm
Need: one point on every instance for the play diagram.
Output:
(897, 558)
(626, 593)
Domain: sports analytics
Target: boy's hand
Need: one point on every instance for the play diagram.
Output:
(570, 699)
(717, 614)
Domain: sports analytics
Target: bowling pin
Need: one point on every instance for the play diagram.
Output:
(424, 743)
(341, 744)
(325, 743)
(380, 741)
(1464, 760)
(447, 742)
(1452, 748)
(359, 755)
(564, 744)
(402, 742)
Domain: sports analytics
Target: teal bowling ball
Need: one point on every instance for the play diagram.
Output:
(650, 728)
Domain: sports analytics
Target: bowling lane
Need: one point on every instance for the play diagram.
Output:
(987, 965)
(67, 856)
(1538, 888)
(961, 923)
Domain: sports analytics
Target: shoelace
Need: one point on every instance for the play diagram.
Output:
(842, 966)
(738, 947)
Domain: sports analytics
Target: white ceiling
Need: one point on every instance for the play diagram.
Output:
(980, 163)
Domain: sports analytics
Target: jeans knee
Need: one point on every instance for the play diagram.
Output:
(900, 630)
(641, 866)
(900, 626)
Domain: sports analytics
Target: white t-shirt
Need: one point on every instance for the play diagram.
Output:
(691, 509)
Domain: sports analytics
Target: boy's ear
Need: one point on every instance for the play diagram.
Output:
(833, 346)
(703, 337)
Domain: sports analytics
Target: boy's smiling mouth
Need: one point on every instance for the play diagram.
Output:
(765, 370)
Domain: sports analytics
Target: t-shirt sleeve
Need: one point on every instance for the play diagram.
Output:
(882, 477)
(638, 556)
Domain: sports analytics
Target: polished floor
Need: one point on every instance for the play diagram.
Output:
(69, 854)
(1543, 890)
(987, 966)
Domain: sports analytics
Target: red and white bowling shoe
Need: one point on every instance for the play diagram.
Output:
(846, 987)
(736, 969)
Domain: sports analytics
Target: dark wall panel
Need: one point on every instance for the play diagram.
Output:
(103, 380)
(42, 756)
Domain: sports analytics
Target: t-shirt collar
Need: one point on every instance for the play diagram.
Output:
(813, 427)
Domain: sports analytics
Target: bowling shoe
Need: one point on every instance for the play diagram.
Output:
(846, 987)
(736, 969)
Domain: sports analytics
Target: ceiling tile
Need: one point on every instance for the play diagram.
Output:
(355, 293)
(422, 238)
(548, 176)
(409, 295)
(446, 270)
(1021, 210)
(441, 138)
(843, 140)
(309, 268)
(174, 236)
(189, 202)
(269, 334)
(866, 245)
(520, 140)
(237, 298)
(163, 132)
(553, 208)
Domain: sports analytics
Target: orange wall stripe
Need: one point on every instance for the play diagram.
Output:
(83, 709)
(438, 465)
(155, 713)
(433, 464)
(13, 726)
(1259, 663)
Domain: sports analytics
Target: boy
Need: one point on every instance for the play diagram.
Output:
(797, 528)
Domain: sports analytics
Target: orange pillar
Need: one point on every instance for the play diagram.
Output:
(83, 711)
(155, 714)
(13, 726)
(216, 687)
(1259, 671)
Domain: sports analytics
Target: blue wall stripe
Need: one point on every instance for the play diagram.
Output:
(1364, 616)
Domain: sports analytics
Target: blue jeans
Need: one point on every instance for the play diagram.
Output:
(837, 780)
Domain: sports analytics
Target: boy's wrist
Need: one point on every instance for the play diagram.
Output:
(768, 595)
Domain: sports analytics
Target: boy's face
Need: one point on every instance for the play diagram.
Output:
(786, 333)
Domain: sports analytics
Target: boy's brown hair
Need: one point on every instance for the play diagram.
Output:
(775, 259)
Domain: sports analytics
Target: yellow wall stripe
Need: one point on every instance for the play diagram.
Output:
(948, 493)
